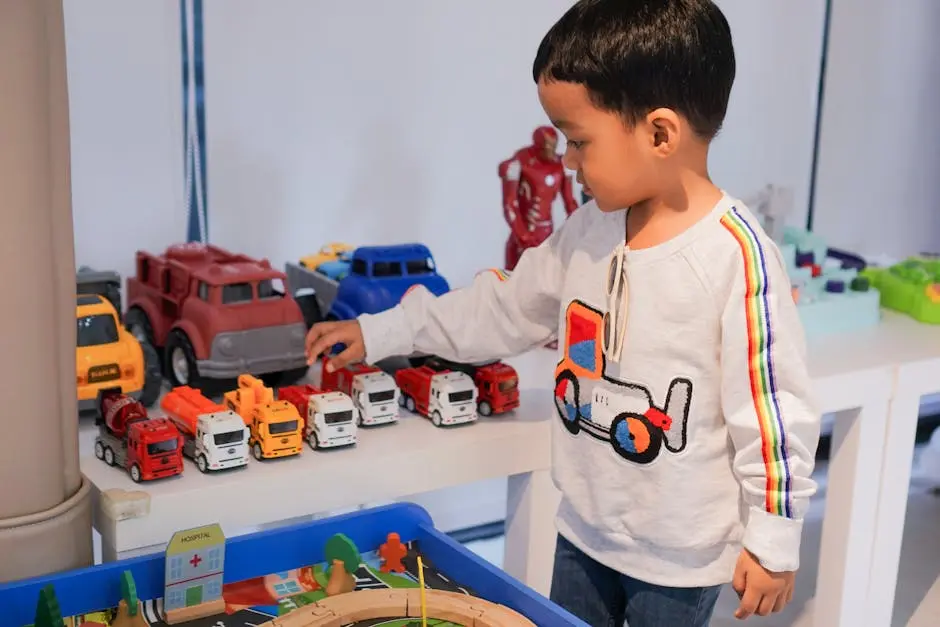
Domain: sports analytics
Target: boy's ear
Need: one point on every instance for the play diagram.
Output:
(664, 131)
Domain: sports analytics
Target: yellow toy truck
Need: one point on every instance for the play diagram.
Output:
(107, 356)
(276, 427)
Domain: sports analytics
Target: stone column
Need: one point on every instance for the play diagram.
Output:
(45, 503)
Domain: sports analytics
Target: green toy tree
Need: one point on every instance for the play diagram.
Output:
(340, 547)
(129, 593)
(48, 613)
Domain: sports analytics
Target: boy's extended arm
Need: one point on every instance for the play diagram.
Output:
(499, 314)
(766, 400)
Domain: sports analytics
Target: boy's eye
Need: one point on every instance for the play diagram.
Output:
(575, 144)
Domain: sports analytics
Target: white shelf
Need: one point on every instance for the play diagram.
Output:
(388, 463)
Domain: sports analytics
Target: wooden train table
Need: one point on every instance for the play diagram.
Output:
(385, 566)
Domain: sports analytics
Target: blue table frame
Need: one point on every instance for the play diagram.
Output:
(257, 554)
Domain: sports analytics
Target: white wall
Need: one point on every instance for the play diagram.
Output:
(125, 91)
(389, 127)
(879, 189)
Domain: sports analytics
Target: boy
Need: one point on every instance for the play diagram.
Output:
(685, 436)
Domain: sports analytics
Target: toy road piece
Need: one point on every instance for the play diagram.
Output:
(216, 314)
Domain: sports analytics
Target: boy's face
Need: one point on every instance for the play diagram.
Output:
(616, 164)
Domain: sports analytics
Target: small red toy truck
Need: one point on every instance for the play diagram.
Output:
(148, 448)
(329, 417)
(372, 390)
(214, 437)
(447, 397)
(497, 383)
(215, 315)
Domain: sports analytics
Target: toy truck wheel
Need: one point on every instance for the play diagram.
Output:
(108, 456)
(402, 399)
(409, 404)
(257, 452)
(137, 322)
(437, 419)
(313, 441)
(135, 473)
(202, 464)
(153, 375)
(181, 360)
(485, 408)
(99, 450)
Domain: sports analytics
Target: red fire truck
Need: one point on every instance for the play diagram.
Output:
(373, 391)
(497, 383)
(447, 397)
(215, 314)
(148, 448)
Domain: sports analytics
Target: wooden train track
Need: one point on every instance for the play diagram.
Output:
(348, 608)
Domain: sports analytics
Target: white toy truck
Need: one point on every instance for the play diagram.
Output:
(447, 397)
(373, 391)
(214, 437)
(329, 417)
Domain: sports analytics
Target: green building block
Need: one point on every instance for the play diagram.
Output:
(911, 287)
(340, 547)
(48, 613)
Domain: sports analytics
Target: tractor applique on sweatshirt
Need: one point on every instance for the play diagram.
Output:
(619, 412)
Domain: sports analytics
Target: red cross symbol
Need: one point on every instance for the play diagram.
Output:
(195, 561)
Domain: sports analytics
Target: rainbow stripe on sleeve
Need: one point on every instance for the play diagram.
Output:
(760, 363)
(501, 274)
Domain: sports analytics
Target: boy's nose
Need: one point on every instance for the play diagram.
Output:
(569, 160)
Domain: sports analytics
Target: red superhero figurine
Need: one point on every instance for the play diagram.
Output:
(532, 179)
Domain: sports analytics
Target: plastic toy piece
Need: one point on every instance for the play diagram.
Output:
(47, 609)
(215, 314)
(329, 418)
(214, 437)
(148, 448)
(333, 251)
(195, 564)
(532, 179)
(373, 391)
(392, 552)
(424, 598)
(832, 296)
(341, 581)
(497, 383)
(911, 287)
(445, 396)
(129, 592)
(340, 547)
(276, 428)
(379, 276)
(107, 355)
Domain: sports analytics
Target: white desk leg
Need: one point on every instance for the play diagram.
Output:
(892, 497)
(531, 505)
(848, 531)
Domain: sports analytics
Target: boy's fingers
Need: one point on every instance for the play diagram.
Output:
(782, 600)
(325, 342)
(739, 581)
(345, 357)
(767, 604)
(749, 603)
(315, 332)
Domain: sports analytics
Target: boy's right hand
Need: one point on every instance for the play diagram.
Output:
(324, 335)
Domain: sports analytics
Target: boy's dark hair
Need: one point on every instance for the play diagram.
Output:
(634, 56)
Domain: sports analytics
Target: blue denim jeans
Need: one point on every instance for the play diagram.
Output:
(602, 597)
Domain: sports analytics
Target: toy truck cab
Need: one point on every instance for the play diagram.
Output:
(107, 356)
(148, 448)
(329, 417)
(446, 397)
(214, 437)
(275, 427)
(497, 383)
(215, 314)
(373, 392)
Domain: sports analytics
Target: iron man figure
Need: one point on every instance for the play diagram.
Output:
(532, 179)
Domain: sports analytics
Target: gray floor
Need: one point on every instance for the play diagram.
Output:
(917, 603)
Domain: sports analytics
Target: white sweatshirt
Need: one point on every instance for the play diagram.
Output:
(701, 437)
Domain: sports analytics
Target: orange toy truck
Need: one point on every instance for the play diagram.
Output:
(148, 448)
(214, 437)
(276, 428)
